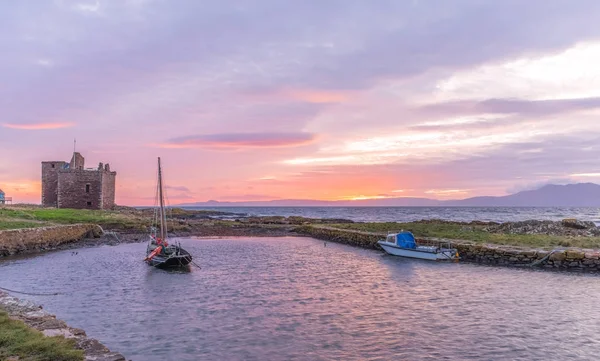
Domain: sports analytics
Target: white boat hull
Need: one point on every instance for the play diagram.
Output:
(421, 252)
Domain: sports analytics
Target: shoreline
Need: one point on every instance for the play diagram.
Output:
(557, 259)
(567, 244)
(35, 317)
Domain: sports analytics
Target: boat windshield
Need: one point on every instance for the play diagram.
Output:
(391, 238)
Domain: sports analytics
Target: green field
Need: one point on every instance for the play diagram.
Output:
(22, 217)
(124, 218)
(17, 339)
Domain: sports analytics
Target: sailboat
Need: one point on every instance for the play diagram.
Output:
(159, 252)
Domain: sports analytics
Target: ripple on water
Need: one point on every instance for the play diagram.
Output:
(293, 299)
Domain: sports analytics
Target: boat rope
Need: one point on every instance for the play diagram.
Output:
(110, 233)
(29, 293)
(195, 264)
(544, 259)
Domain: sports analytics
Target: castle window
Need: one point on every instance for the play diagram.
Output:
(52, 165)
(87, 189)
(89, 203)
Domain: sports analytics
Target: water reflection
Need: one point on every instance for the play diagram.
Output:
(294, 299)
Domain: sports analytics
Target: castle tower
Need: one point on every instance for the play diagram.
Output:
(50, 182)
(77, 161)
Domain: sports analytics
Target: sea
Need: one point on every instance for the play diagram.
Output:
(409, 214)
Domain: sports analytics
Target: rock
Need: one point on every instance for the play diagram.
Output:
(574, 223)
(592, 255)
(45, 322)
(92, 346)
(77, 331)
(558, 256)
(106, 357)
(573, 254)
(64, 332)
(567, 227)
(529, 253)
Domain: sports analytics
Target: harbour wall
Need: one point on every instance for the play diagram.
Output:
(490, 254)
(25, 240)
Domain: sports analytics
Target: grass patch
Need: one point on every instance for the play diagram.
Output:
(475, 234)
(9, 223)
(22, 217)
(124, 218)
(17, 339)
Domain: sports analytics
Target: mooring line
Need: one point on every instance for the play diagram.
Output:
(542, 260)
(29, 293)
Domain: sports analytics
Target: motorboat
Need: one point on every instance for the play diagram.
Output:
(404, 244)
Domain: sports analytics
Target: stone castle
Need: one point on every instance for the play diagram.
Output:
(71, 185)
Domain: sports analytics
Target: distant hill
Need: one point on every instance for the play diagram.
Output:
(570, 195)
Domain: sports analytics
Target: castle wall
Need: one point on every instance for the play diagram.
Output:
(108, 189)
(50, 182)
(72, 186)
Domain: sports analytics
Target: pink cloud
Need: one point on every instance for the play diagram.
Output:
(315, 96)
(241, 140)
(38, 126)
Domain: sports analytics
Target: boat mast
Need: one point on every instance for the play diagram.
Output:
(163, 216)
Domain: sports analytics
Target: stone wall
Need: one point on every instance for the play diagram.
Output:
(563, 258)
(44, 238)
(108, 188)
(80, 189)
(352, 238)
(50, 183)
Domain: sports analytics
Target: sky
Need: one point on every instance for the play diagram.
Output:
(302, 99)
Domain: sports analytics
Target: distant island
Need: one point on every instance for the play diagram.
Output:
(552, 195)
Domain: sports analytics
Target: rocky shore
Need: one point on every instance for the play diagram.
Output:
(36, 317)
(560, 256)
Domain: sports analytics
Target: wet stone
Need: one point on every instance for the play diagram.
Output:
(571, 254)
(558, 256)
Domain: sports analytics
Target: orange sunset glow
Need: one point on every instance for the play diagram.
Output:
(370, 103)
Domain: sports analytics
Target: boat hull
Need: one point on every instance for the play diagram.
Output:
(183, 259)
(427, 253)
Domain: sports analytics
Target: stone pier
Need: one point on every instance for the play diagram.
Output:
(559, 258)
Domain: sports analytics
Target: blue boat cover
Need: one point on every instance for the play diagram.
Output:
(406, 240)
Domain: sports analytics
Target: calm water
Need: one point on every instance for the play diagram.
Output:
(294, 299)
(408, 214)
